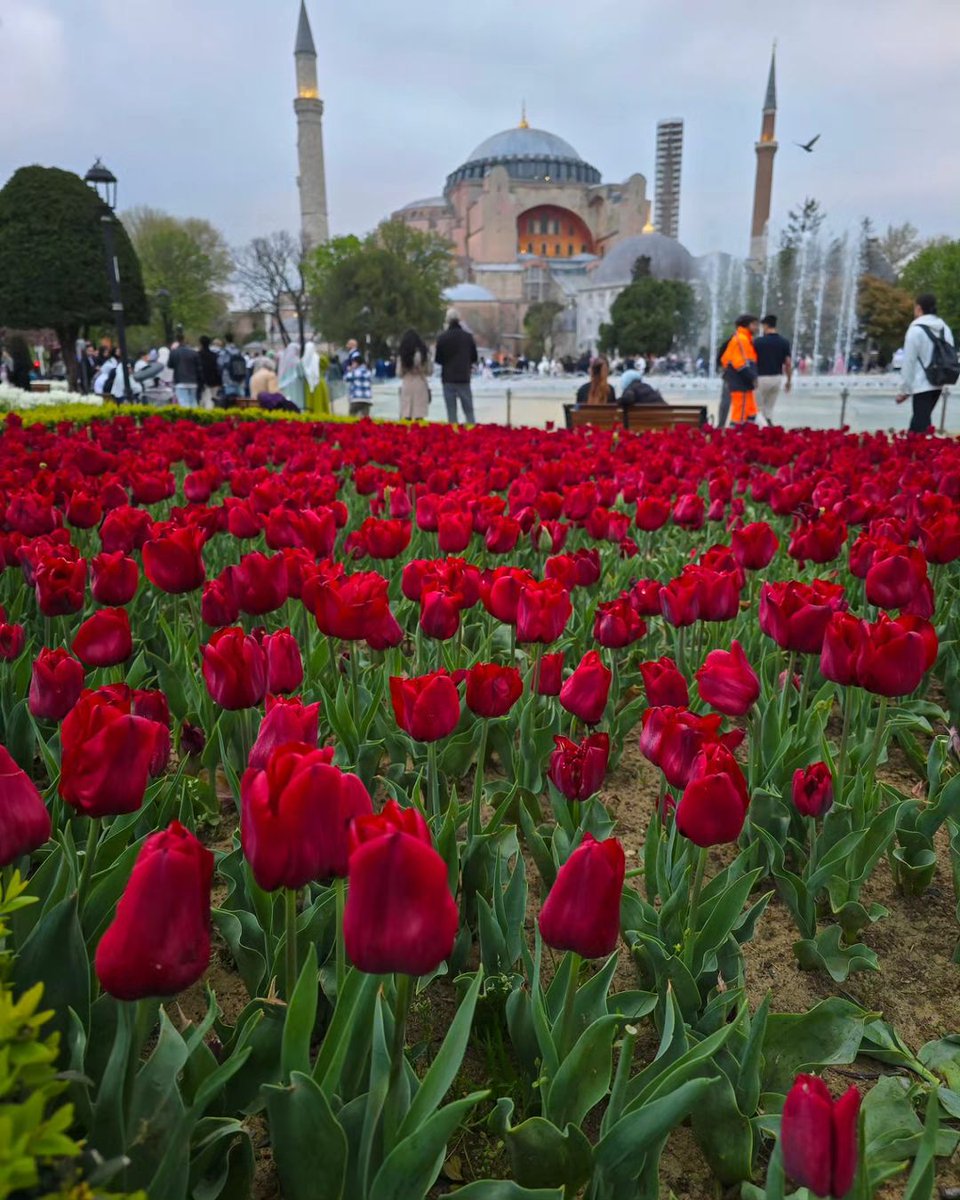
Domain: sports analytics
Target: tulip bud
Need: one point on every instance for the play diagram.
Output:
(813, 790)
(586, 691)
(427, 707)
(818, 1136)
(664, 684)
(727, 682)
(582, 911)
(578, 770)
(104, 640)
(492, 690)
(55, 684)
(24, 820)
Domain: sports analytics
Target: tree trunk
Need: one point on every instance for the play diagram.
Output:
(68, 336)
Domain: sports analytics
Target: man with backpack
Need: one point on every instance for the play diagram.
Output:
(184, 362)
(930, 362)
(233, 373)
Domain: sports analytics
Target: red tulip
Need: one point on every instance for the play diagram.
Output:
(689, 512)
(818, 541)
(713, 807)
(12, 640)
(931, 643)
(295, 817)
(842, 641)
(727, 682)
(357, 607)
(492, 690)
(260, 583)
(55, 684)
(390, 819)
(113, 578)
(24, 820)
(680, 601)
(892, 659)
(427, 707)
(235, 669)
(818, 1136)
(577, 770)
(104, 639)
(940, 538)
(286, 720)
(158, 943)
(59, 585)
(796, 614)
(502, 535)
(106, 755)
(500, 592)
(174, 563)
(894, 579)
(385, 539)
(154, 706)
(754, 545)
(582, 911)
(672, 738)
(719, 592)
(617, 624)
(83, 511)
(284, 662)
(813, 790)
(586, 691)
(645, 597)
(543, 611)
(218, 605)
(664, 684)
(454, 530)
(550, 677)
(440, 612)
(400, 915)
(125, 528)
(652, 513)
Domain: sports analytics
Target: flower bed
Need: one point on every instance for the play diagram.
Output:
(439, 808)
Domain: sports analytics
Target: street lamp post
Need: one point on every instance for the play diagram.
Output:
(163, 301)
(104, 183)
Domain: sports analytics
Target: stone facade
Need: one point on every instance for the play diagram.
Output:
(312, 180)
(766, 149)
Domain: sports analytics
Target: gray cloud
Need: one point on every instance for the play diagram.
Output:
(190, 101)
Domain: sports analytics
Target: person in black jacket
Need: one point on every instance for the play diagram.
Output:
(209, 374)
(456, 356)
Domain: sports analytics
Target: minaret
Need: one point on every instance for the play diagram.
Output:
(308, 106)
(763, 187)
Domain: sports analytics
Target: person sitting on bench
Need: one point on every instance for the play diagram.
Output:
(598, 389)
(639, 392)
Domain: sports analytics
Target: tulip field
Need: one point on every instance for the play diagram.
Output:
(402, 811)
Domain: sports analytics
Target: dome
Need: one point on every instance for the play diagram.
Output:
(524, 143)
(668, 260)
(467, 293)
(533, 155)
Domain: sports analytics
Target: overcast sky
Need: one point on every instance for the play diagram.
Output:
(190, 101)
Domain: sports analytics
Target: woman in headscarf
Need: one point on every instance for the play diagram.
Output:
(315, 385)
(413, 364)
(291, 375)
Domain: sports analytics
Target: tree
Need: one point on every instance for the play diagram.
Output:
(53, 273)
(885, 311)
(899, 244)
(188, 260)
(538, 326)
(649, 315)
(376, 288)
(937, 269)
(270, 274)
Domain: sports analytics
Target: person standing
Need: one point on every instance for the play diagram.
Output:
(359, 383)
(209, 374)
(316, 391)
(929, 362)
(773, 362)
(184, 362)
(456, 356)
(233, 375)
(413, 365)
(739, 362)
(291, 375)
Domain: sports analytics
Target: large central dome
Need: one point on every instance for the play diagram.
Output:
(533, 155)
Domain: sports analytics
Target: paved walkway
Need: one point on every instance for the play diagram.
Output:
(813, 403)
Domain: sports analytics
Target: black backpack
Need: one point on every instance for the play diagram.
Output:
(237, 368)
(944, 366)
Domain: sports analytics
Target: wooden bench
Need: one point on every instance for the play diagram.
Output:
(635, 417)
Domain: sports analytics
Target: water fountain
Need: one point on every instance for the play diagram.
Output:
(818, 314)
(714, 314)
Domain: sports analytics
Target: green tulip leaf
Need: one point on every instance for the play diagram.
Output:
(300, 1019)
(415, 1162)
(504, 1189)
(55, 955)
(724, 1134)
(825, 953)
(156, 1105)
(309, 1145)
(584, 1076)
(829, 1034)
(943, 1058)
(543, 1157)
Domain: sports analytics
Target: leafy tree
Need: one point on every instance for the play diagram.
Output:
(899, 244)
(53, 273)
(271, 274)
(376, 288)
(649, 315)
(538, 325)
(937, 269)
(885, 311)
(186, 258)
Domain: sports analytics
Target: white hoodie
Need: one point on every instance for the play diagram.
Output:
(918, 351)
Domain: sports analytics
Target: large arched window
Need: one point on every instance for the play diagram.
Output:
(558, 229)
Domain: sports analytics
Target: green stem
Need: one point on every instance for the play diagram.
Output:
(804, 684)
(392, 1116)
(567, 1020)
(877, 744)
(787, 685)
(355, 687)
(433, 770)
(844, 736)
(698, 872)
(478, 780)
(618, 1094)
(290, 939)
(681, 651)
(86, 873)
(339, 890)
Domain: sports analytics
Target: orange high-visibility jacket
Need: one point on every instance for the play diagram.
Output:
(740, 351)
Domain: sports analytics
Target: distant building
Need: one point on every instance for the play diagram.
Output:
(312, 181)
(766, 149)
(666, 208)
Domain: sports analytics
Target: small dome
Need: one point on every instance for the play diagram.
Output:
(467, 293)
(430, 202)
(524, 143)
(668, 260)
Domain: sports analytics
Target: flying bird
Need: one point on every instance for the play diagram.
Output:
(808, 146)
